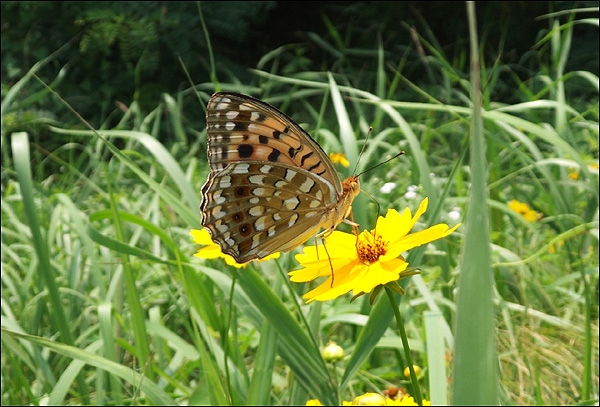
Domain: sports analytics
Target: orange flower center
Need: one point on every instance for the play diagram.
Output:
(370, 247)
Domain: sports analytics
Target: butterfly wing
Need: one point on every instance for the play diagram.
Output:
(242, 128)
(253, 209)
(271, 186)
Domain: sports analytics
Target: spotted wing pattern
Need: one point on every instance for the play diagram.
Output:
(271, 186)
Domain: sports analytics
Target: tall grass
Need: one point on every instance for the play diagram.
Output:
(104, 303)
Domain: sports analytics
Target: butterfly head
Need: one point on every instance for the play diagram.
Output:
(351, 187)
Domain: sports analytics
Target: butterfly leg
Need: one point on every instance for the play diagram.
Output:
(323, 235)
(355, 226)
(330, 264)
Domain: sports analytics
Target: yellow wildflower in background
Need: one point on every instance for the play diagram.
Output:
(416, 368)
(407, 401)
(369, 399)
(339, 158)
(573, 173)
(524, 210)
(375, 399)
(372, 259)
(213, 250)
(552, 248)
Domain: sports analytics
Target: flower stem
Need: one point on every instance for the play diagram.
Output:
(413, 375)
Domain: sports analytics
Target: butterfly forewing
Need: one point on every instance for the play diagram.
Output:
(241, 128)
(271, 187)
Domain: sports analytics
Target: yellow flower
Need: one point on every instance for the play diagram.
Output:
(339, 158)
(524, 210)
(416, 368)
(552, 249)
(573, 174)
(375, 399)
(369, 399)
(372, 259)
(213, 250)
(407, 401)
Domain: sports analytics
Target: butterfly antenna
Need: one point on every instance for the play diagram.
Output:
(362, 150)
(383, 162)
(372, 198)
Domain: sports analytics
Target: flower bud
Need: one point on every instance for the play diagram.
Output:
(369, 399)
(407, 371)
(333, 352)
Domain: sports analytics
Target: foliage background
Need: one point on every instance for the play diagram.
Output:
(119, 52)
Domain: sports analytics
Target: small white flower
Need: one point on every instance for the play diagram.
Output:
(387, 187)
(411, 193)
(454, 214)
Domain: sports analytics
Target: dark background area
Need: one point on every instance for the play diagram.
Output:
(112, 52)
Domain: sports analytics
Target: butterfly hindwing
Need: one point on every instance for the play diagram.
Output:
(245, 213)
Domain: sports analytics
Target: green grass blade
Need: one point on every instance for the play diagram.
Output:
(21, 157)
(346, 134)
(107, 332)
(264, 364)
(86, 357)
(380, 318)
(162, 156)
(138, 321)
(296, 348)
(187, 212)
(436, 358)
(475, 360)
(122, 247)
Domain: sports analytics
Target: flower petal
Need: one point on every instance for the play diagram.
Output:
(311, 271)
(201, 236)
(343, 284)
(373, 259)
(394, 226)
(379, 273)
(213, 250)
(318, 261)
(418, 239)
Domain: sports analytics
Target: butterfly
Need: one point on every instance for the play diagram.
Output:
(271, 186)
